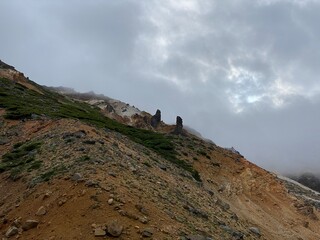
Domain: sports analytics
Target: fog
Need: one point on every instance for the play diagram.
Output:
(242, 73)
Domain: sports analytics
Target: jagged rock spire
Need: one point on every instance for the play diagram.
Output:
(156, 119)
(179, 126)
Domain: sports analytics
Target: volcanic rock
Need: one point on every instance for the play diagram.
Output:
(115, 229)
(179, 126)
(12, 231)
(155, 119)
(29, 224)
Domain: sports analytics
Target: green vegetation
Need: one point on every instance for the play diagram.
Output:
(22, 157)
(84, 158)
(47, 175)
(23, 103)
(147, 164)
(202, 152)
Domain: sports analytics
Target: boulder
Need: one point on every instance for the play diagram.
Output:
(29, 224)
(41, 211)
(12, 231)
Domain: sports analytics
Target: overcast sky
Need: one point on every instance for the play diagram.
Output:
(243, 73)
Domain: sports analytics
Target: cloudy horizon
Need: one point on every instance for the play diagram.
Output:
(242, 73)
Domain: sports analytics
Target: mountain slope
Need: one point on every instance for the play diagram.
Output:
(79, 174)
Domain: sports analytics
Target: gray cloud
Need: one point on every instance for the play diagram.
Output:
(243, 73)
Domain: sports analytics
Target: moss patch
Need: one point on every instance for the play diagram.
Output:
(21, 158)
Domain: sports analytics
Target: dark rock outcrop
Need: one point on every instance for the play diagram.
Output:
(179, 126)
(5, 66)
(110, 109)
(156, 119)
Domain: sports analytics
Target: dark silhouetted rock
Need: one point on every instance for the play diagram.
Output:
(5, 66)
(179, 126)
(110, 109)
(155, 119)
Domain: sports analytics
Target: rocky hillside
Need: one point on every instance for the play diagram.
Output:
(69, 170)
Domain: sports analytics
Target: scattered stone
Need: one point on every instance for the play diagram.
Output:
(62, 201)
(80, 134)
(91, 183)
(163, 167)
(196, 212)
(99, 232)
(234, 217)
(237, 235)
(223, 205)
(17, 222)
(29, 224)
(197, 237)
(41, 211)
(93, 225)
(115, 229)
(90, 142)
(255, 230)
(12, 231)
(112, 174)
(215, 164)
(156, 119)
(110, 201)
(147, 233)
(46, 195)
(144, 220)
(141, 209)
(221, 188)
(76, 177)
(226, 228)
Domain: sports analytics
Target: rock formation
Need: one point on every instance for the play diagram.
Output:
(5, 66)
(179, 126)
(155, 119)
(109, 108)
